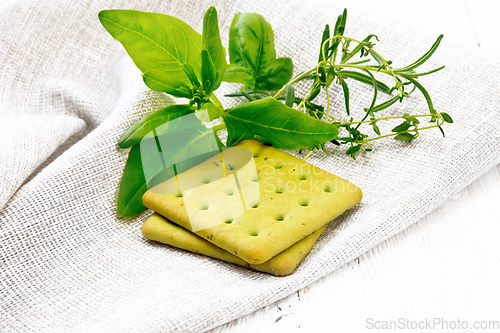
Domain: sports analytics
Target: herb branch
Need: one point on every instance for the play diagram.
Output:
(177, 60)
(408, 130)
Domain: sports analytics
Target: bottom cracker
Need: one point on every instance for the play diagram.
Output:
(160, 229)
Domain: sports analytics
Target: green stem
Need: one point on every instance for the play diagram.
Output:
(308, 155)
(407, 131)
(327, 103)
(216, 101)
(386, 64)
(369, 68)
(384, 118)
(301, 104)
(219, 127)
(298, 78)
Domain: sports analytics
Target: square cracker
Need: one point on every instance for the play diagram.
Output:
(295, 198)
(158, 228)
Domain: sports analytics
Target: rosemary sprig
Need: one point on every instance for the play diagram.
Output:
(372, 63)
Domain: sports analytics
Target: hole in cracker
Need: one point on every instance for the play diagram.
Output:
(280, 166)
(206, 181)
(228, 222)
(255, 180)
(230, 193)
(327, 188)
(253, 233)
(279, 190)
(179, 195)
(204, 207)
(304, 202)
(256, 205)
(302, 177)
(279, 217)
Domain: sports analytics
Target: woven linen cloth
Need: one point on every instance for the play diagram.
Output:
(68, 91)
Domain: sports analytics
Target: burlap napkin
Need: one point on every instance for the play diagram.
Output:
(67, 92)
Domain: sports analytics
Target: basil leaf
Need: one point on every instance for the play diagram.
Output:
(251, 46)
(196, 148)
(251, 41)
(186, 145)
(275, 74)
(272, 121)
(239, 74)
(144, 126)
(153, 79)
(160, 46)
(215, 57)
(132, 186)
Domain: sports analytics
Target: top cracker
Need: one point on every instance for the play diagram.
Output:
(293, 199)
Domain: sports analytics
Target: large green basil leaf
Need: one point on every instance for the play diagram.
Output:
(152, 121)
(273, 122)
(239, 74)
(251, 41)
(160, 46)
(132, 186)
(251, 46)
(214, 59)
(275, 74)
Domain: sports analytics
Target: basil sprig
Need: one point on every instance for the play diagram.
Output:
(252, 54)
(177, 60)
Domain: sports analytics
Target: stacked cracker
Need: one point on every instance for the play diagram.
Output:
(267, 220)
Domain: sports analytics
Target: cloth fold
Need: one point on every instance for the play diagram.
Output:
(67, 262)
